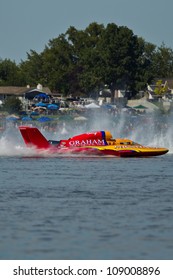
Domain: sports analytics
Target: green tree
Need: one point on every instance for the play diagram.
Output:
(120, 52)
(144, 68)
(163, 62)
(12, 105)
(32, 68)
(160, 88)
(105, 56)
(82, 61)
(88, 59)
(59, 65)
(9, 73)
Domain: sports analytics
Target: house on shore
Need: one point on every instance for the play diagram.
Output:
(25, 94)
(22, 92)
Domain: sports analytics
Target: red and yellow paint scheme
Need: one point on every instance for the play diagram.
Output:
(93, 143)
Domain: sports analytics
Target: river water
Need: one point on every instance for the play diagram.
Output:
(84, 207)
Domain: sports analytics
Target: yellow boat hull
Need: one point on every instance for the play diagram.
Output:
(130, 151)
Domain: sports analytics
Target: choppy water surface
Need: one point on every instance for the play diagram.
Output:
(87, 208)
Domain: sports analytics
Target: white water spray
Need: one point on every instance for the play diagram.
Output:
(146, 130)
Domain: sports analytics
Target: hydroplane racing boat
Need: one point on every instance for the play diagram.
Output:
(93, 143)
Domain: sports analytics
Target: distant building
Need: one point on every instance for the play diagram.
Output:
(25, 94)
(22, 92)
(167, 85)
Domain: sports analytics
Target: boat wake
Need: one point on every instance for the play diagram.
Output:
(13, 148)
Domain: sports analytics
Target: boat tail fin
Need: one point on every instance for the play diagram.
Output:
(33, 137)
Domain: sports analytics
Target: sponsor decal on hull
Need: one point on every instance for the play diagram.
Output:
(87, 142)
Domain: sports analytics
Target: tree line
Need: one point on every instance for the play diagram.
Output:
(84, 61)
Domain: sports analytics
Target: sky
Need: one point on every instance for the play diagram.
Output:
(29, 24)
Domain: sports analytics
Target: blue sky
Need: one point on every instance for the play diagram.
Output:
(30, 24)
